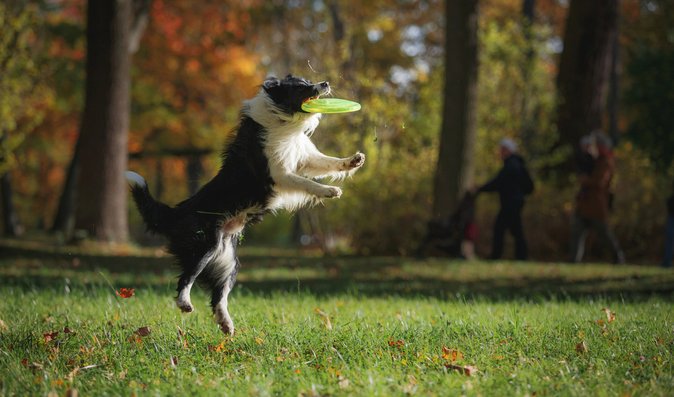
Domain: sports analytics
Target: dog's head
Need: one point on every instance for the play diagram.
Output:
(289, 93)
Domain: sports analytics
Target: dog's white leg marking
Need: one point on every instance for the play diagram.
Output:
(290, 181)
(184, 301)
(220, 310)
(319, 165)
(225, 270)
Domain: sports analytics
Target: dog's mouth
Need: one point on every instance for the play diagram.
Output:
(319, 90)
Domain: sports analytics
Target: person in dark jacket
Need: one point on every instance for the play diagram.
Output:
(669, 232)
(512, 183)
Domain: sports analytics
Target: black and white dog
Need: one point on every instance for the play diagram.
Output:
(269, 164)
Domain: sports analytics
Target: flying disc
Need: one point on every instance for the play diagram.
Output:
(330, 105)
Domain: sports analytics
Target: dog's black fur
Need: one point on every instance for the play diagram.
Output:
(254, 178)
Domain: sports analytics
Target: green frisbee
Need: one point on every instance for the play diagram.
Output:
(330, 105)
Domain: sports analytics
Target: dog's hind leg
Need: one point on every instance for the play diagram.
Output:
(222, 274)
(187, 279)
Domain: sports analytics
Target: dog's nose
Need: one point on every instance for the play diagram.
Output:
(324, 84)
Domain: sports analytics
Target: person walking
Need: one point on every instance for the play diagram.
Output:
(593, 203)
(669, 232)
(513, 183)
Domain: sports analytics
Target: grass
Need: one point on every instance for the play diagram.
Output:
(341, 326)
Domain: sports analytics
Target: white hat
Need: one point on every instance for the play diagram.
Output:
(509, 144)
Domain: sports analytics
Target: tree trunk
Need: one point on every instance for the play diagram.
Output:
(614, 88)
(454, 172)
(64, 221)
(583, 69)
(526, 115)
(10, 219)
(102, 208)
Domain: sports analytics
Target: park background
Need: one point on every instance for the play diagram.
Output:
(192, 65)
(334, 300)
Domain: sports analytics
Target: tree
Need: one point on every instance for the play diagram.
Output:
(64, 219)
(102, 204)
(22, 91)
(583, 69)
(454, 170)
(649, 77)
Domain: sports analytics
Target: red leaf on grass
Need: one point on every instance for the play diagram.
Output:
(50, 336)
(125, 292)
(581, 347)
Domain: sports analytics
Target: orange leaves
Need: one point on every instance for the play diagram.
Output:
(452, 358)
(451, 354)
(219, 348)
(399, 344)
(125, 292)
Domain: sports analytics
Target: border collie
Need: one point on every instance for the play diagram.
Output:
(269, 164)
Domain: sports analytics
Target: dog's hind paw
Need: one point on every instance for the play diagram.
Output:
(185, 307)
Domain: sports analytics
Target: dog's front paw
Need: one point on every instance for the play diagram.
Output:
(331, 192)
(356, 161)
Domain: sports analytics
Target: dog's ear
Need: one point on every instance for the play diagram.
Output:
(271, 82)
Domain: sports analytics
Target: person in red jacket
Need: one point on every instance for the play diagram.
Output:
(593, 203)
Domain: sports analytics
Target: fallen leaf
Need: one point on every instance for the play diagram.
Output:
(24, 362)
(467, 370)
(49, 336)
(218, 348)
(610, 316)
(396, 343)
(451, 354)
(581, 347)
(125, 292)
(3, 326)
(67, 330)
(71, 393)
(325, 317)
(143, 331)
(174, 361)
(259, 340)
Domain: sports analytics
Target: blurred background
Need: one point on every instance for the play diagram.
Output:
(520, 64)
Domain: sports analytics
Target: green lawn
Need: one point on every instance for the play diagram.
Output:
(346, 326)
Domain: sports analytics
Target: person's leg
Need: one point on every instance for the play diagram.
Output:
(669, 243)
(499, 234)
(606, 234)
(515, 225)
(578, 235)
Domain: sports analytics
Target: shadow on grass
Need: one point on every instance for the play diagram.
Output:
(361, 276)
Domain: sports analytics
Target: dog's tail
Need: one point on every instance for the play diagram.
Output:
(156, 215)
